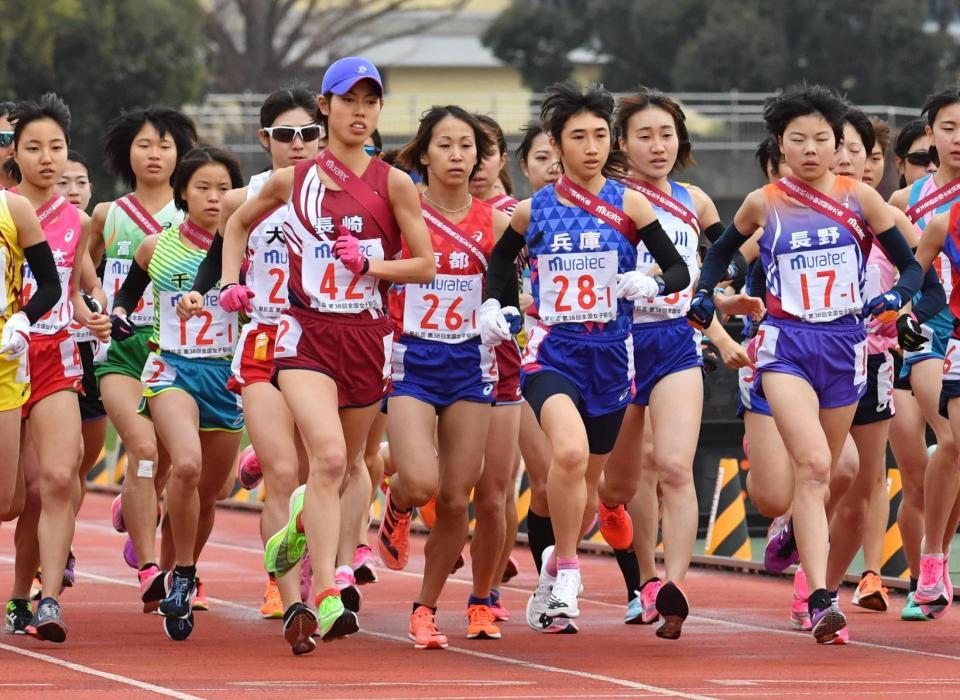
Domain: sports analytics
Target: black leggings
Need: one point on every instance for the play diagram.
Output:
(602, 430)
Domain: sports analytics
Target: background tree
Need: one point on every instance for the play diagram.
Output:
(258, 45)
(101, 58)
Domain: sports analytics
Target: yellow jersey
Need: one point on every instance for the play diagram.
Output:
(11, 263)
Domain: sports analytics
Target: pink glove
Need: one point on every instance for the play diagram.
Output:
(236, 297)
(882, 330)
(346, 249)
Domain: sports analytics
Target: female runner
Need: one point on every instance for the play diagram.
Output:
(935, 495)
(51, 457)
(142, 147)
(652, 132)
(290, 133)
(185, 378)
(6, 145)
(582, 234)
(348, 215)
(443, 376)
(814, 250)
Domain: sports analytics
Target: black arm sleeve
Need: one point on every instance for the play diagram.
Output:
(676, 276)
(899, 253)
(40, 259)
(208, 274)
(713, 231)
(128, 296)
(502, 268)
(933, 297)
(758, 280)
(719, 257)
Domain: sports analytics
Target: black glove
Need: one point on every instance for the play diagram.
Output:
(121, 328)
(711, 357)
(910, 333)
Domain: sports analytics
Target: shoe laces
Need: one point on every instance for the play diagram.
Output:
(480, 615)
(567, 585)
(180, 589)
(931, 571)
(424, 621)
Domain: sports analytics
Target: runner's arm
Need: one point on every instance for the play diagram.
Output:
(274, 193)
(137, 279)
(38, 255)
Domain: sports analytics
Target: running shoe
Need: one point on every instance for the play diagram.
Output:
(299, 625)
(180, 592)
(130, 554)
(200, 602)
(799, 611)
(500, 612)
(69, 571)
(306, 577)
(480, 623)
(827, 624)
(536, 611)
(947, 583)
(345, 582)
(178, 628)
(116, 515)
(512, 569)
(364, 569)
(18, 617)
(423, 630)
(285, 548)
(644, 605)
(36, 586)
(634, 613)
(335, 620)
(47, 623)
(911, 612)
(871, 594)
(673, 607)
(393, 539)
(428, 512)
(781, 551)
(272, 608)
(249, 471)
(152, 587)
(458, 564)
(563, 598)
(931, 593)
(616, 526)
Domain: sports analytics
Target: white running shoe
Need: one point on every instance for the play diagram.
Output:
(563, 598)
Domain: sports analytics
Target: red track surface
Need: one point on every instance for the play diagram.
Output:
(737, 643)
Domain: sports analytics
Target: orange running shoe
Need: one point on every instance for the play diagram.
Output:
(480, 623)
(393, 539)
(428, 512)
(871, 593)
(616, 526)
(200, 601)
(423, 630)
(272, 608)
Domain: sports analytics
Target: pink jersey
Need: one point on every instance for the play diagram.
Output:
(446, 309)
(61, 225)
(881, 274)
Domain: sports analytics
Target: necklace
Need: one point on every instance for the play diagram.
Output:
(450, 211)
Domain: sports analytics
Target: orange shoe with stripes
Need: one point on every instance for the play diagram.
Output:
(871, 594)
(616, 526)
(423, 630)
(480, 623)
(393, 539)
(428, 512)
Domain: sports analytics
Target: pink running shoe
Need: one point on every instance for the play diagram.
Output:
(364, 569)
(306, 578)
(799, 614)
(130, 554)
(249, 471)
(500, 613)
(151, 588)
(512, 569)
(345, 582)
(648, 601)
(116, 515)
(948, 584)
(931, 593)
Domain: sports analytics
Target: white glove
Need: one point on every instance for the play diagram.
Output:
(16, 336)
(636, 285)
(494, 327)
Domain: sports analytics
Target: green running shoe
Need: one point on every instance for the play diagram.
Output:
(335, 620)
(911, 611)
(285, 548)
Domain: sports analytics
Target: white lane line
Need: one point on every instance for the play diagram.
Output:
(80, 668)
(623, 683)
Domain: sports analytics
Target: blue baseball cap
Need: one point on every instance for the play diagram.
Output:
(342, 75)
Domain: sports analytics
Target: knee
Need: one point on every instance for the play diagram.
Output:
(185, 471)
(58, 483)
(141, 447)
(419, 489)
(813, 468)
(452, 505)
(571, 458)
(488, 506)
(674, 473)
(282, 483)
(328, 465)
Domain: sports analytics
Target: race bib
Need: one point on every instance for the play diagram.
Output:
(268, 277)
(81, 333)
(113, 275)
(669, 306)
(577, 287)
(444, 310)
(212, 332)
(331, 286)
(944, 271)
(820, 285)
(61, 314)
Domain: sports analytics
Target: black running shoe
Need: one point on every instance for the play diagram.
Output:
(178, 628)
(47, 623)
(19, 615)
(180, 592)
(299, 625)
